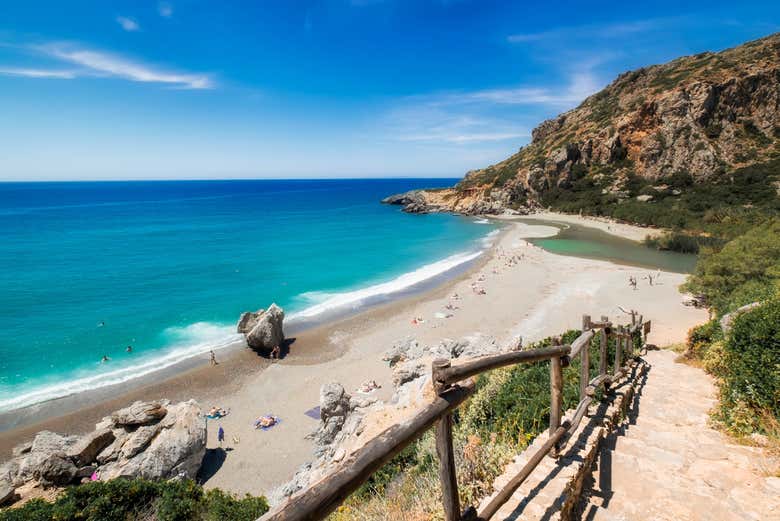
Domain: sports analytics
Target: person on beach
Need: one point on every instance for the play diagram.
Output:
(275, 352)
(220, 435)
(213, 360)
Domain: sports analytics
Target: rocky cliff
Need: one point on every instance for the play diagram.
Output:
(698, 118)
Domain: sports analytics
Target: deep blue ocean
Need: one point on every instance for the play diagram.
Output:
(88, 268)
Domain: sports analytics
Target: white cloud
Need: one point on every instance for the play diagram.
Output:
(165, 9)
(465, 138)
(487, 115)
(580, 86)
(603, 31)
(128, 24)
(38, 73)
(97, 63)
(426, 123)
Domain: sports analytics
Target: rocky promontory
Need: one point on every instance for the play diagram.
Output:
(152, 440)
(432, 201)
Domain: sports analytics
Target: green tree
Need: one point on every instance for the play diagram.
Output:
(745, 266)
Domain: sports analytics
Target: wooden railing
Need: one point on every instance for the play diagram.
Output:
(453, 386)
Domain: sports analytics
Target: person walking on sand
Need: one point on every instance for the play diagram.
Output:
(220, 435)
(213, 360)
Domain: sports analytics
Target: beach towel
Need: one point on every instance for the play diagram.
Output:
(276, 419)
(313, 413)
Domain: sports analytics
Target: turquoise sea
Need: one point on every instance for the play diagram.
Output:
(89, 268)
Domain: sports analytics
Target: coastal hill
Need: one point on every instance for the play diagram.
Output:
(649, 138)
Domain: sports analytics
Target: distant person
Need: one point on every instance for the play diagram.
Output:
(101, 324)
(275, 352)
(104, 359)
(129, 349)
(220, 435)
(213, 360)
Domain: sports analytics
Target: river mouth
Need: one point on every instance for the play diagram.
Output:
(590, 243)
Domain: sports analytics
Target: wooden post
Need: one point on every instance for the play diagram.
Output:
(603, 347)
(556, 396)
(618, 349)
(585, 360)
(437, 366)
(447, 476)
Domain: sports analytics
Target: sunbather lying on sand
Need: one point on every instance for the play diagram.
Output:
(217, 412)
(266, 421)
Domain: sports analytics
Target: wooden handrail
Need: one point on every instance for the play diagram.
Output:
(321, 498)
(580, 342)
(445, 375)
(453, 388)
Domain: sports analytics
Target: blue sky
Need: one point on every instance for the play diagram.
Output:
(186, 89)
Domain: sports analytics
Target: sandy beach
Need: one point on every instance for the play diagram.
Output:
(542, 294)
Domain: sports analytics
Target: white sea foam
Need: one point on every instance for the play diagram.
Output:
(488, 240)
(350, 300)
(185, 342)
(481, 221)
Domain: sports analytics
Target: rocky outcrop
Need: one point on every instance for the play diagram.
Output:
(698, 118)
(341, 418)
(139, 413)
(7, 493)
(86, 449)
(153, 440)
(263, 329)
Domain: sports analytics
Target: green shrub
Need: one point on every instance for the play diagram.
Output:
(128, 499)
(753, 258)
(701, 337)
(681, 242)
(33, 510)
(752, 352)
(514, 402)
(714, 359)
(221, 506)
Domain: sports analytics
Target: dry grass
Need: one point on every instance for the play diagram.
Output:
(415, 495)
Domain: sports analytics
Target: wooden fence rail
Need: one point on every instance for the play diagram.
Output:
(453, 386)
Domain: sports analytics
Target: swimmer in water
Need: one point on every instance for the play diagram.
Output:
(104, 359)
(129, 349)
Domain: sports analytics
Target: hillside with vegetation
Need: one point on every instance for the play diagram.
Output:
(691, 145)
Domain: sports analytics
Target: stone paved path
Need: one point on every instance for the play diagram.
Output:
(668, 464)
